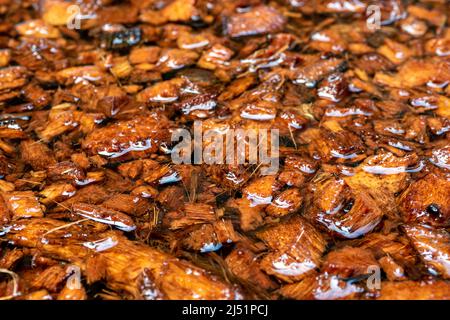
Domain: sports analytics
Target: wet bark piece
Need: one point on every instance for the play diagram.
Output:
(92, 194)
(215, 57)
(23, 204)
(65, 170)
(5, 57)
(56, 12)
(251, 216)
(12, 78)
(393, 247)
(296, 249)
(373, 62)
(50, 279)
(383, 176)
(37, 29)
(288, 201)
(57, 192)
(180, 10)
(10, 129)
(38, 295)
(333, 88)
(393, 270)
(68, 293)
(61, 119)
(440, 156)
(144, 55)
(415, 73)
(349, 262)
(342, 276)
(104, 215)
(211, 237)
(427, 200)
(202, 239)
(244, 265)
(260, 191)
(343, 210)
(363, 114)
(333, 143)
(296, 170)
(117, 14)
(36, 95)
(341, 6)
(143, 134)
(174, 59)
(435, 17)
(134, 205)
(11, 258)
(310, 74)
(163, 92)
(258, 20)
(433, 246)
(76, 74)
(37, 154)
(302, 290)
(5, 214)
(257, 195)
(192, 214)
(178, 279)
